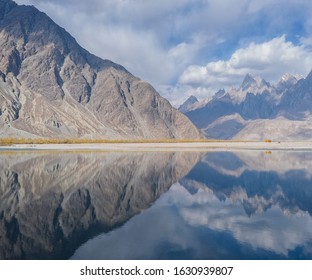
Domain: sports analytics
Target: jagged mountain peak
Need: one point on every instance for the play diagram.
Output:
(186, 106)
(220, 93)
(193, 99)
(280, 111)
(254, 85)
(287, 77)
(253, 81)
(292, 78)
(248, 80)
(287, 81)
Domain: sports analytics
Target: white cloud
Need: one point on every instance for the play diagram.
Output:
(155, 40)
(135, 34)
(159, 40)
(179, 93)
(270, 60)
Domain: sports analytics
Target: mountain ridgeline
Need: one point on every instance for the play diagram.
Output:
(52, 87)
(257, 110)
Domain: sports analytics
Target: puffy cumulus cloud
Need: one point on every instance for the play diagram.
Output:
(155, 40)
(270, 60)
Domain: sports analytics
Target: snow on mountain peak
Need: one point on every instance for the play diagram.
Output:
(255, 82)
(289, 77)
(247, 82)
(286, 77)
(251, 84)
(286, 81)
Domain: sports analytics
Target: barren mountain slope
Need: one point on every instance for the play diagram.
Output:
(51, 87)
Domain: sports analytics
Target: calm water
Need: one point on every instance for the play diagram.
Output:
(165, 205)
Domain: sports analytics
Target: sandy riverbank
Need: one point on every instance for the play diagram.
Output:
(192, 146)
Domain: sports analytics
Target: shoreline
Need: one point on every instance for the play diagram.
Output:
(178, 146)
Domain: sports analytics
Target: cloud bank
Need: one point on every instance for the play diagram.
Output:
(186, 47)
(270, 60)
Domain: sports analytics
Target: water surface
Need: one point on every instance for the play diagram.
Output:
(156, 205)
(51, 203)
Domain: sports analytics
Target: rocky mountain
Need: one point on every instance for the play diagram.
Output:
(52, 203)
(287, 81)
(187, 105)
(258, 110)
(52, 87)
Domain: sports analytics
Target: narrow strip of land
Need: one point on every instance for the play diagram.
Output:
(179, 146)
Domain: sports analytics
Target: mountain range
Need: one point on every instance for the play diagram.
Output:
(257, 110)
(52, 87)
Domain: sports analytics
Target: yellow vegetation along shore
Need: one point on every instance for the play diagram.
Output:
(12, 141)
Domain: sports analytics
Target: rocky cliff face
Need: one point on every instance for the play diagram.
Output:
(51, 87)
(52, 203)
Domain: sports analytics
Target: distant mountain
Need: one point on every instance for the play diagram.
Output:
(296, 102)
(52, 87)
(287, 81)
(258, 110)
(187, 105)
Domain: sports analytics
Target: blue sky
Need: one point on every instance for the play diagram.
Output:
(185, 47)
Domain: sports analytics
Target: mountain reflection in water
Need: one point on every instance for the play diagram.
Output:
(50, 203)
(242, 205)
